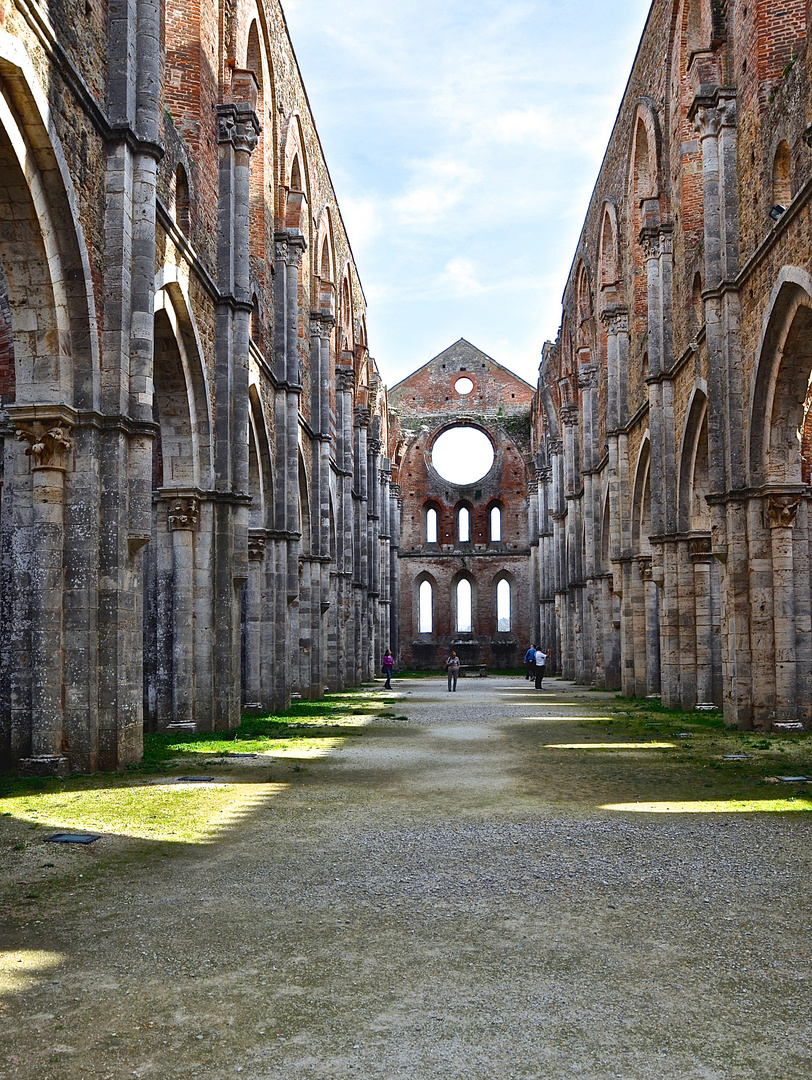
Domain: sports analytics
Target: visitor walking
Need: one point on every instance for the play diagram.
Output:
(388, 664)
(530, 663)
(541, 661)
(452, 666)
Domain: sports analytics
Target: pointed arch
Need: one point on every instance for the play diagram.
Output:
(779, 452)
(260, 463)
(172, 300)
(609, 256)
(56, 358)
(641, 501)
(694, 477)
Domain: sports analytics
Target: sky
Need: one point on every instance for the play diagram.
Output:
(464, 138)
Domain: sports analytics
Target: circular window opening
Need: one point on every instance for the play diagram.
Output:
(462, 455)
(463, 386)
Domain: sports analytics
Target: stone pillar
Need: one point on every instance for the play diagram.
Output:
(252, 691)
(616, 320)
(702, 559)
(183, 513)
(360, 543)
(780, 512)
(238, 132)
(651, 639)
(46, 431)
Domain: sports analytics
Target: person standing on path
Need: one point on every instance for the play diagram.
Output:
(541, 661)
(452, 666)
(388, 663)
(530, 663)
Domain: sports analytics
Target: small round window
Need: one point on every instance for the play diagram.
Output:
(462, 455)
(463, 386)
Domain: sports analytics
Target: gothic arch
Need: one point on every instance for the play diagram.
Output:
(260, 464)
(294, 183)
(171, 304)
(692, 483)
(641, 501)
(52, 313)
(609, 280)
(780, 407)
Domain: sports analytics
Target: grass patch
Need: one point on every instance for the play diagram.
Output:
(147, 801)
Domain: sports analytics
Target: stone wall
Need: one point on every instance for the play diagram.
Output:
(196, 511)
(423, 407)
(671, 419)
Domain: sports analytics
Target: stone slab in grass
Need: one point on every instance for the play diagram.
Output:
(72, 838)
(737, 757)
(195, 780)
(794, 779)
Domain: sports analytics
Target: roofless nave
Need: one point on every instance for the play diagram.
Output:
(208, 498)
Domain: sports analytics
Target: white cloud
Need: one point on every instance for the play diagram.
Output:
(460, 278)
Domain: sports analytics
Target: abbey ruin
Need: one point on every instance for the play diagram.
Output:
(210, 502)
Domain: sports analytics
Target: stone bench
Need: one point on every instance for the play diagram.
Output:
(474, 669)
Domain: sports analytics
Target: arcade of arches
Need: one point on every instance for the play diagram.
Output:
(209, 500)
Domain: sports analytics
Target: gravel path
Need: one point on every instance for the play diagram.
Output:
(441, 899)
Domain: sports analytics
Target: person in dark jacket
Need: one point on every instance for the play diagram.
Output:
(530, 663)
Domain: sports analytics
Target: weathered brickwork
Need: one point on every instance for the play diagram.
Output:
(440, 555)
(674, 553)
(196, 512)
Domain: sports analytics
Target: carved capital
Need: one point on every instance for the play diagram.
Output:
(707, 122)
(256, 548)
(650, 243)
(616, 321)
(569, 415)
(588, 377)
(238, 124)
(781, 510)
(645, 567)
(361, 416)
(289, 247)
(699, 547)
(49, 442)
(183, 512)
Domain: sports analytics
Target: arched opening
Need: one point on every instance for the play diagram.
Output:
(431, 525)
(296, 175)
(782, 184)
(464, 606)
(425, 608)
(697, 312)
(464, 525)
(503, 606)
(496, 525)
(182, 203)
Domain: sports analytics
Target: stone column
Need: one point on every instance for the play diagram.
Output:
(46, 431)
(713, 113)
(360, 543)
(252, 689)
(700, 553)
(651, 640)
(183, 513)
(780, 512)
(238, 132)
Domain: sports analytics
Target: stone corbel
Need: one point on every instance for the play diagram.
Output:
(238, 124)
(781, 510)
(183, 512)
(256, 548)
(47, 431)
(699, 548)
(616, 320)
(644, 565)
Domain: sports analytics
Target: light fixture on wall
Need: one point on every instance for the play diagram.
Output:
(777, 211)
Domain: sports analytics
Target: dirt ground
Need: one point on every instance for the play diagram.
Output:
(493, 888)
